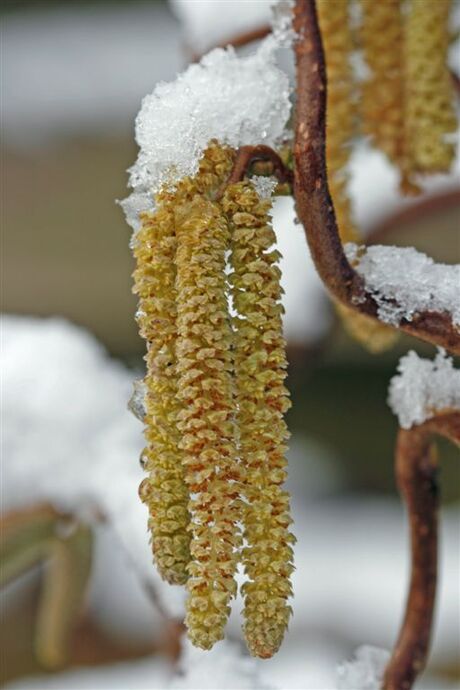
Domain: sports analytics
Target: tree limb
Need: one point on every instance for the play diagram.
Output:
(416, 471)
(313, 200)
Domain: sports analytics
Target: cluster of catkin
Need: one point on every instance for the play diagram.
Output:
(215, 400)
(404, 104)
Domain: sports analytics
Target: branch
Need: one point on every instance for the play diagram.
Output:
(247, 155)
(416, 470)
(313, 200)
(237, 40)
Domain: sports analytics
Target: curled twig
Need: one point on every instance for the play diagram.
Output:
(416, 470)
(313, 200)
(246, 156)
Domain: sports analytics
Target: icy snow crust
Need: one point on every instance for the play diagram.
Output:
(423, 387)
(411, 278)
(237, 101)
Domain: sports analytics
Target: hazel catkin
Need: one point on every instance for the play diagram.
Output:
(262, 399)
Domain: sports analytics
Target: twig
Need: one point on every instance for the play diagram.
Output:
(416, 470)
(247, 155)
(238, 40)
(313, 200)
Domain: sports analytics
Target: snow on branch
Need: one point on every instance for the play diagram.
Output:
(237, 101)
(423, 388)
(404, 282)
(314, 203)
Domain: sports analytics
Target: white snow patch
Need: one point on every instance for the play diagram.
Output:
(366, 670)
(238, 101)
(423, 387)
(404, 281)
(68, 438)
(224, 667)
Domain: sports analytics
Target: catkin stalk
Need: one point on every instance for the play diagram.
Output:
(262, 400)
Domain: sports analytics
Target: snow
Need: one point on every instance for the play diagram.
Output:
(366, 670)
(68, 437)
(224, 667)
(408, 277)
(423, 387)
(208, 23)
(237, 101)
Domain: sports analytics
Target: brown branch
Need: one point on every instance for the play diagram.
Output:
(238, 40)
(247, 155)
(313, 200)
(416, 470)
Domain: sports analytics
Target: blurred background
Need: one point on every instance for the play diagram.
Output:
(73, 78)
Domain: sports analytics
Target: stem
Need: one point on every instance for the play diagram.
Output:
(416, 471)
(247, 155)
(313, 200)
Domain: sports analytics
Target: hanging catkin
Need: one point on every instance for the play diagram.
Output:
(430, 114)
(337, 39)
(207, 418)
(262, 400)
(164, 490)
(337, 42)
(383, 95)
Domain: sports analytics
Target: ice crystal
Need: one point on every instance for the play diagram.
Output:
(237, 101)
(404, 281)
(136, 402)
(366, 670)
(422, 387)
(264, 186)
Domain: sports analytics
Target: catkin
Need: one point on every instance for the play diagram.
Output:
(383, 96)
(164, 490)
(341, 109)
(207, 418)
(430, 114)
(337, 39)
(262, 400)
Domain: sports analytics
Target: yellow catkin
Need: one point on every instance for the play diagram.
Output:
(164, 490)
(337, 38)
(262, 399)
(337, 41)
(430, 113)
(207, 419)
(383, 97)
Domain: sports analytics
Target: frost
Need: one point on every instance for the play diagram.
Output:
(408, 277)
(264, 186)
(366, 670)
(282, 15)
(238, 101)
(224, 667)
(423, 387)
